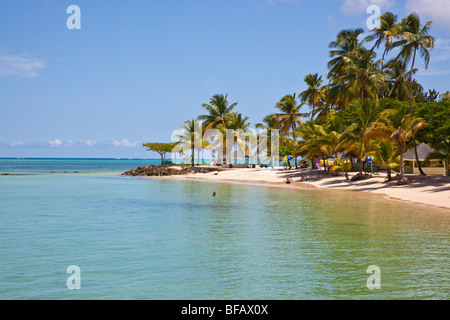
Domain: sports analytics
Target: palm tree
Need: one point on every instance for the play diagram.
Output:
(405, 132)
(386, 155)
(397, 80)
(385, 33)
(288, 118)
(414, 38)
(239, 123)
(269, 123)
(190, 136)
(358, 137)
(345, 46)
(362, 77)
(219, 110)
(314, 95)
(343, 165)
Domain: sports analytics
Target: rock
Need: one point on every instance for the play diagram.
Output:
(155, 171)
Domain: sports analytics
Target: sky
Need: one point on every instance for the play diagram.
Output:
(136, 70)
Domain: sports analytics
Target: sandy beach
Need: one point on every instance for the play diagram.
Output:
(428, 190)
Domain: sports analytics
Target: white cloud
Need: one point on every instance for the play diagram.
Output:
(436, 10)
(20, 66)
(55, 143)
(16, 143)
(90, 143)
(350, 7)
(124, 143)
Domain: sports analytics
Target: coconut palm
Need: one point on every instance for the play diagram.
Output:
(385, 33)
(239, 123)
(358, 137)
(314, 95)
(386, 155)
(362, 78)
(190, 136)
(342, 165)
(405, 132)
(345, 46)
(265, 139)
(414, 38)
(288, 117)
(219, 112)
(397, 80)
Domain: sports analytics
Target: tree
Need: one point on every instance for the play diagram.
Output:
(288, 118)
(343, 165)
(385, 33)
(386, 155)
(405, 132)
(190, 136)
(219, 112)
(314, 95)
(363, 79)
(239, 123)
(161, 148)
(358, 137)
(414, 38)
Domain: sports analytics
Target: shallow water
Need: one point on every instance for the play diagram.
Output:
(140, 238)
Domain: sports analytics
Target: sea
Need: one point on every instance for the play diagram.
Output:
(78, 229)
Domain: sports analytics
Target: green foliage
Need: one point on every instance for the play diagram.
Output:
(161, 148)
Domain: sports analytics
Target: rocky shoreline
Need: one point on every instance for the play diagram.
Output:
(156, 171)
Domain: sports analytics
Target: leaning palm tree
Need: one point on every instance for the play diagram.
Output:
(386, 155)
(288, 117)
(342, 165)
(414, 38)
(402, 135)
(219, 112)
(314, 95)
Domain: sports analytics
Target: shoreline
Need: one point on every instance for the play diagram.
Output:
(429, 191)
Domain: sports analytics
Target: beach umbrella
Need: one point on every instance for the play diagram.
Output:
(286, 158)
(369, 159)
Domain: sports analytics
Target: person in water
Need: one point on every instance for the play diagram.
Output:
(214, 194)
(288, 180)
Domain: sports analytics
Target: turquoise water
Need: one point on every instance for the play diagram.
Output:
(140, 238)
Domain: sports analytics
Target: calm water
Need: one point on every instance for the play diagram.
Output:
(138, 238)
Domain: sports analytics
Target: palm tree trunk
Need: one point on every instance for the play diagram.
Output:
(402, 166)
(360, 167)
(192, 157)
(411, 113)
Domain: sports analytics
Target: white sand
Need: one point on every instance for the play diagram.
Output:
(424, 190)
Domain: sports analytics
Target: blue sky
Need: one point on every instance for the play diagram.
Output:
(137, 69)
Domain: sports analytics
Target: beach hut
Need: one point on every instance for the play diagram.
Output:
(431, 167)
